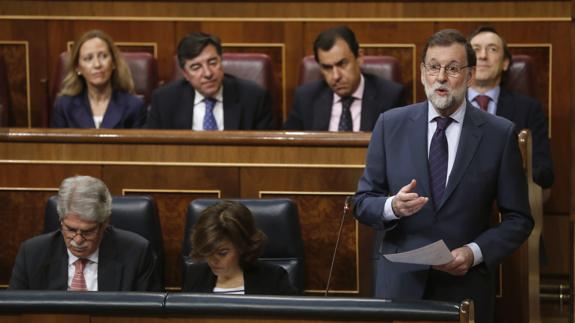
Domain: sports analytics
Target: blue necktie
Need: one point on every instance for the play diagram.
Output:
(437, 162)
(209, 119)
(345, 121)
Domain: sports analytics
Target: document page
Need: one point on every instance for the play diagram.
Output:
(432, 254)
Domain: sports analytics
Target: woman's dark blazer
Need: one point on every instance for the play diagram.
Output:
(124, 111)
(261, 278)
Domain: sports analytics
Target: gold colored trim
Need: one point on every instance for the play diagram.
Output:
(179, 164)
(26, 47)
(356, 291)
(550, 76)
(33, 189)
(413, 61)
(154, 45)
(142, 190)
(291, 19)
(282, 46)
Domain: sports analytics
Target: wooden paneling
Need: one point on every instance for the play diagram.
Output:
(286, 9)
(316, 170)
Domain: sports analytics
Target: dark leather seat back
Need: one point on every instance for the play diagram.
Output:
(521, 75)
(386, 67)
(132, 213)
(143, 67)
(256, 67)
(278, 219)
(5, 98)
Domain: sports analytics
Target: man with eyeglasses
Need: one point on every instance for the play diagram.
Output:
(206, 98)
(489, 93)
(86, 254)
(433, 171)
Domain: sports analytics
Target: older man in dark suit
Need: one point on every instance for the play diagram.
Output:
(433, 172)
(346, 99)
(86, 254)
(206, 98)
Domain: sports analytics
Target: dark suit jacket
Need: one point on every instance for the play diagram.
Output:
(124, 111)
(487, 167)
(527, 113)
(313, 101)
(260, 278)
(126, 262)
(246, 106)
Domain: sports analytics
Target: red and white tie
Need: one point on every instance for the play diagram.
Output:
(78, 281)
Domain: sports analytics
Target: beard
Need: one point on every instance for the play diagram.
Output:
(450, 101)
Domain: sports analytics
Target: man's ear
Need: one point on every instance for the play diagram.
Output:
(471, 76)
(505, 64)
(360, 56)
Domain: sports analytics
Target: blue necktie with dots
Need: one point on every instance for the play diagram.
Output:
(209, 119)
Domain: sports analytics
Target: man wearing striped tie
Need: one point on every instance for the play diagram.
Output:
(433, 171)
(86, 254)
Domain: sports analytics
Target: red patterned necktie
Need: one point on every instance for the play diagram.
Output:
(78, 281)
(483, 101)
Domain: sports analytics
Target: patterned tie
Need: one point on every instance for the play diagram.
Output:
(78, 281)
(437, 162)
(209, 119)
(345, 122)
(483, 101)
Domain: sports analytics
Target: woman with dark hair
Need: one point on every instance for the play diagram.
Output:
(227, 241)
(97, 90)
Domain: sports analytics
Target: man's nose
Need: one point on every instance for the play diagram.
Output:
(442, 75)
(207, 71)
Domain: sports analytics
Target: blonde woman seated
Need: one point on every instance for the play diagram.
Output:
(226, 239)
(97, 90)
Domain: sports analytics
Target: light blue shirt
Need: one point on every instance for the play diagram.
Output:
(493, 94)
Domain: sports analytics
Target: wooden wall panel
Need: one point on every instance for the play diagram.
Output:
(173, 188)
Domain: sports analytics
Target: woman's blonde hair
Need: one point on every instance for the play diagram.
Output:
(121, 79)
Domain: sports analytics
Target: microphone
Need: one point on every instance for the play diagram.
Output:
(346, 207)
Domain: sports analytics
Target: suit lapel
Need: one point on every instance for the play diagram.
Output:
(109, 268)
(232, 107)
(322, 109)
(82, 111)
(418, 143)
(505, 106)
(114, 112)
(56, 270)
(369, 113)
(468, 142)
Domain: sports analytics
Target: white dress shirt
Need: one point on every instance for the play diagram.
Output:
(355, 108)
(90, 270)
(200, 110)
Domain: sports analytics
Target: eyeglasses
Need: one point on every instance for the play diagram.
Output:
(70, 233)
(451, 69)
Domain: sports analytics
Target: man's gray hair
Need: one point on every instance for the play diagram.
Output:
(85, 196)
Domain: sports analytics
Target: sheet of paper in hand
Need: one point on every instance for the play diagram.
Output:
(433, 254)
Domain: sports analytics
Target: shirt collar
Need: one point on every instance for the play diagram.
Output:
(219, 96)
(93, 257)
(493, 94)
(357, 94)
(457, 116)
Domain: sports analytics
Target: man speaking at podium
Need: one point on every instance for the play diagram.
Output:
(433, 171)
